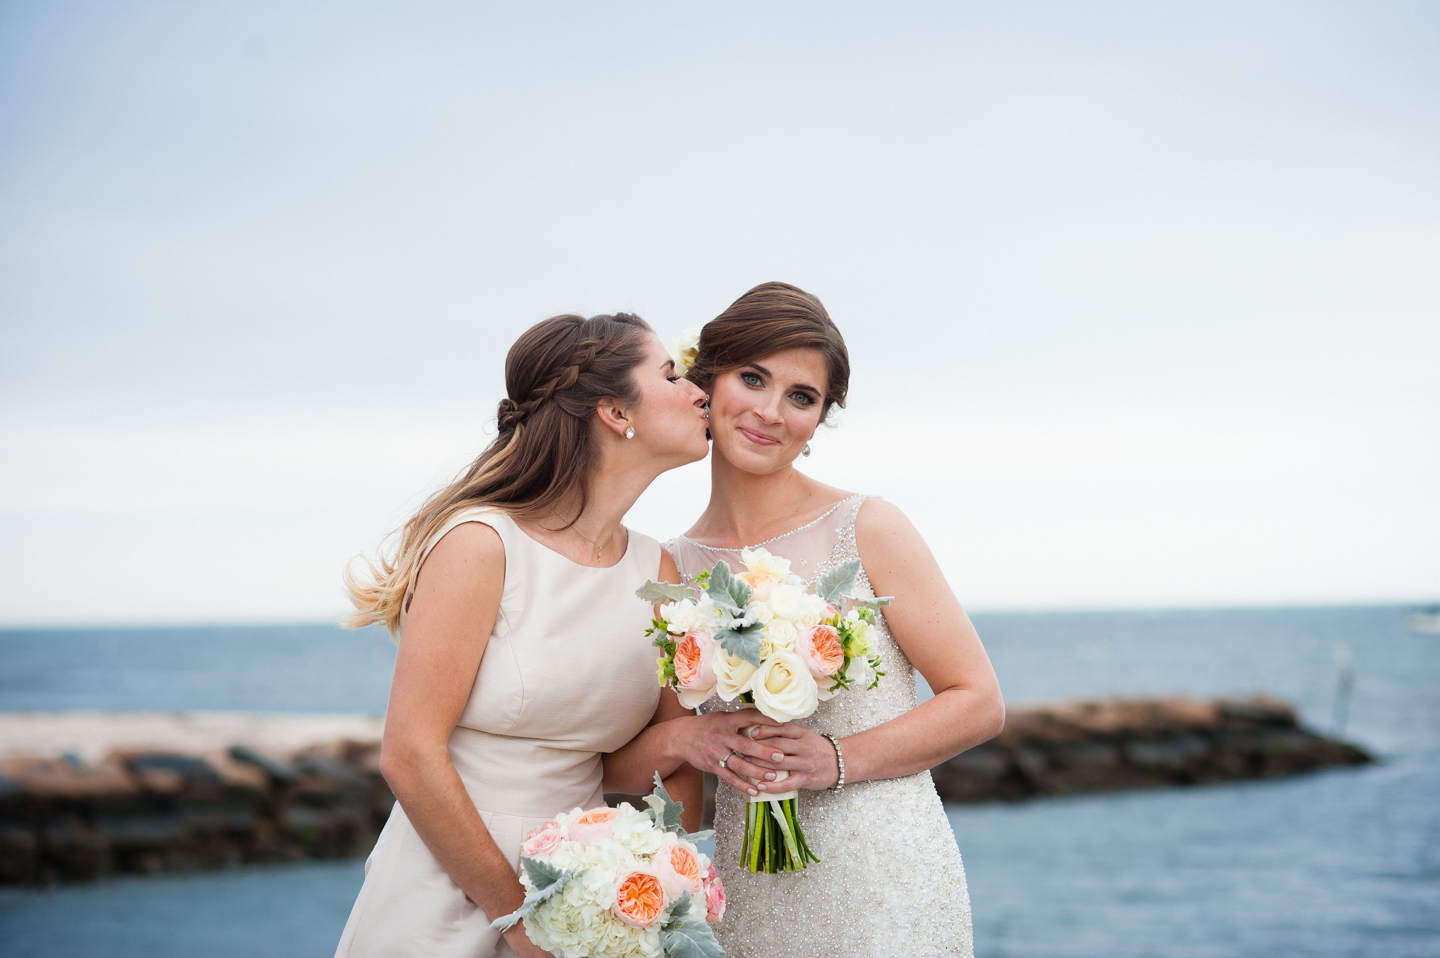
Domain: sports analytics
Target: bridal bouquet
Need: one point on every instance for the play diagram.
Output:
(771, 641)
(618, 883)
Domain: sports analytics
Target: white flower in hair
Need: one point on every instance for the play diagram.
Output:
(686, 350)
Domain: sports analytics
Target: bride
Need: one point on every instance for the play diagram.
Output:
(890, 880)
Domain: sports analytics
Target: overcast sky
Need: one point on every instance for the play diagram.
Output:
(1143, 300)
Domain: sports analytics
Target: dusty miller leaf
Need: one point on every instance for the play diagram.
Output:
(664, 809)
(542, 874)
(742, 643)
(548, 880)
(660, 593)
(690, 938)
(834, 584)
(666, 813)
(728, 592)
(877, 603)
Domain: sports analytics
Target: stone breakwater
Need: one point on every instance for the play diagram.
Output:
(88, 794)
(1114, 744)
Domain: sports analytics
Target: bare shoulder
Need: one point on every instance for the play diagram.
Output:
(669, 571)
(465, 550)
(879, 521)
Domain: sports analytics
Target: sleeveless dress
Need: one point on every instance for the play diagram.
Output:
(890, 880)
(568, 675)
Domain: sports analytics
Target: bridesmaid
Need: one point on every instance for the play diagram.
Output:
(523, 654)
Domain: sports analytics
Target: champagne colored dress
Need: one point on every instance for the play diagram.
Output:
(890, 880)
(568, 675)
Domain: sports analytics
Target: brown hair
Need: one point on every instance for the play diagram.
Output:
(556, 374)
(767, 319)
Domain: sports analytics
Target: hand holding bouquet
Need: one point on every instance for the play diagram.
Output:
(618, 883)
(772, 641)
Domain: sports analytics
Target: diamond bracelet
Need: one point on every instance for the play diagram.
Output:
(840, 757)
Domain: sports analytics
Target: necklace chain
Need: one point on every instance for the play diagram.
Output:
(582, 535)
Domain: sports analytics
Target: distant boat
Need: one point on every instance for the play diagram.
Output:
(1426, 620)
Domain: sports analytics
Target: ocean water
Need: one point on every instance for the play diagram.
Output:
(1343, 863)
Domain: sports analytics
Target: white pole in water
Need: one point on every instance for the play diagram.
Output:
(1344, 686)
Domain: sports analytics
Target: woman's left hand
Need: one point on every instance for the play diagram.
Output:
(809, 757)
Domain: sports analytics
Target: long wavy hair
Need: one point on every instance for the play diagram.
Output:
(767, 319)
(541, 461)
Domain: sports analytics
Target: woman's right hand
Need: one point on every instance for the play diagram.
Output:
(707, 739)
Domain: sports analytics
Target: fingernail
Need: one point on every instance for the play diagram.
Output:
(755, 732)
(753, 792)
(769, 776)
(777, 757)
(763, 786)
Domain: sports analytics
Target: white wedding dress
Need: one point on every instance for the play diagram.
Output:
(890, 880)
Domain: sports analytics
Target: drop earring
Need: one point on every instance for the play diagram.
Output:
(806, 451)
(629, 432)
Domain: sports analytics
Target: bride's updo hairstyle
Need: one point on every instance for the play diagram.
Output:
(556, 374)
(768, 319)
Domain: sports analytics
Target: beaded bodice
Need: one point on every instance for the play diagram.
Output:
(813, 549)
(886, 849)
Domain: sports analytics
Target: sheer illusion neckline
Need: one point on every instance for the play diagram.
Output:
(784, 535)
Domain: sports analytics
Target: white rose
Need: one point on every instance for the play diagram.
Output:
(761, 561)
(779, 636)
(813, 610)
(681, 616)
(709, 615)
(783, 688)
(686, 350)
(860, 674)
(787, 602)
(760, 612)
(733, 675)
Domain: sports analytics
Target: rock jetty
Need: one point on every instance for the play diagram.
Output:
(161, 793)
(1108, 745)
(88, 794)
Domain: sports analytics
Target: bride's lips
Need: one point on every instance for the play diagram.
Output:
(757, 438)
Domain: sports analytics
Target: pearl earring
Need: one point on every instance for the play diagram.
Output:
(629, 432)
(806, 450)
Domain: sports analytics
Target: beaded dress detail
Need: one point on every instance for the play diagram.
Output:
(890, 880)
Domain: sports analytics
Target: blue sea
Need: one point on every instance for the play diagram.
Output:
(1343, 863)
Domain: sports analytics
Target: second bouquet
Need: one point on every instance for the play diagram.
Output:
(769, 640)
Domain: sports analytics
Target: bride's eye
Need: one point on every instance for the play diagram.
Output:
(750, 379)
(803, 399)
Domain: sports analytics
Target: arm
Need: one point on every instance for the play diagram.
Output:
(447, 628)
(627, 767)
(677, 741)
(935, 634)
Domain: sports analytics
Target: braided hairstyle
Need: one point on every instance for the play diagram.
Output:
(542, 461)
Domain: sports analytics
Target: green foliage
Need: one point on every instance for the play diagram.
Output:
(729, 593)
(665, 812)
(663, 592)
(875, 666)
(687, 937)
(548, 881)
(742, 642)
(833, 585)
